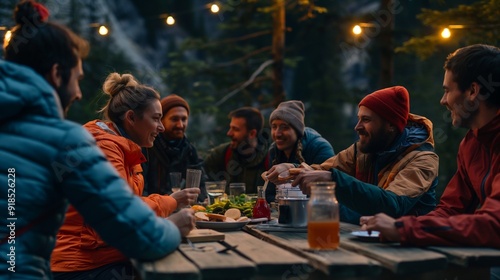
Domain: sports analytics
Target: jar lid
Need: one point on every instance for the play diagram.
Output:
(295, 198)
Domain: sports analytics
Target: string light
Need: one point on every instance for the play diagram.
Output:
(357, 29)
(103, 30)
(170, 20)
(446, 33)
(6, 38)
(214, 8)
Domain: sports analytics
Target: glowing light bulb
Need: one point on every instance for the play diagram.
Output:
(103, 30)
(357, 29)
(170, 20)
(7, 37)
(446, 33)
(214, 8)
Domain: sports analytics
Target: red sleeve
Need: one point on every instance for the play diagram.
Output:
(459, 219)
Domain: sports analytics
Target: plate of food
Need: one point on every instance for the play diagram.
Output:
(222, 226)
(366, 236)
(230, 221)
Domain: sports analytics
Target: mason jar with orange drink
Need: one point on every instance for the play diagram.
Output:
(323, 217)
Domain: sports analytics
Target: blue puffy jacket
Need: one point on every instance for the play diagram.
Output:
(51, 162)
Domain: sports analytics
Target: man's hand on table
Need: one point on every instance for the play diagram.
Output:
(382, 223)
(184, 220)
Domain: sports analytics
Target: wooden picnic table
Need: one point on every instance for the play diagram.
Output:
(280, 253)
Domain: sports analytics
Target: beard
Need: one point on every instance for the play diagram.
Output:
(175, 134)
(244, 148)
(462, 118)
(376, 142)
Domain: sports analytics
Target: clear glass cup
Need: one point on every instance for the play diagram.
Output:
(323, 217)
(193, 177)
(236, 189)
(215, 190)
(175, 181)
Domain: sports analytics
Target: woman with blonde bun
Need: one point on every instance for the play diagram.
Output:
(133, 121)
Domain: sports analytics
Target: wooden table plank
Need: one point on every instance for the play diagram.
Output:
(470, 256)
(213, 265)
(334, 263)
(173, 266)
(265, 255)
(398, 259)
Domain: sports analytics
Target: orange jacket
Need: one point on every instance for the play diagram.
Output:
(78, 246)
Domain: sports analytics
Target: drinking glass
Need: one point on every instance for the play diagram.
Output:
(235, 189)
(175, 181)
(215, 190)
(193, 177)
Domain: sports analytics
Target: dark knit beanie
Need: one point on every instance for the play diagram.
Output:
(291, 112)
(172, 101)
(392, 104)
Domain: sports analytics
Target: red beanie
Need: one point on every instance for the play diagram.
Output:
(392, 104)
(171, 101)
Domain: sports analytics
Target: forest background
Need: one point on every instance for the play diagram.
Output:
(219, 62)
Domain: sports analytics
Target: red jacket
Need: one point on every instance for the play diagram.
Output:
(78, 246)
(469, 211)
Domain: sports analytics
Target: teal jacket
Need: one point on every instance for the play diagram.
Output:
(51, 162)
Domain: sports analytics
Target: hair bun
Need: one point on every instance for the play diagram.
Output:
(32, 11)
(115, 83)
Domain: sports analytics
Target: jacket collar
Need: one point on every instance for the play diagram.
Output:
(108, 131)
(488, 132)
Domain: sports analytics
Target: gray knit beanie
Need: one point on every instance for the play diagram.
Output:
(291, 112)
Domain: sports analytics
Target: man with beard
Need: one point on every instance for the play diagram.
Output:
(391, 169)
(244, 158)
(49, 162)
(172, 151)
(468, 212)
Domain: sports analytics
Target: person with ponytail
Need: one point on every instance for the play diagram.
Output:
(294, 143)
(51, 162)
(133, 113)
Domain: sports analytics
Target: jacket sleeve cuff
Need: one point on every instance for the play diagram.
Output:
(402, 229)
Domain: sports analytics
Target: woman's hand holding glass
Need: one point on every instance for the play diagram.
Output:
(186, 197)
